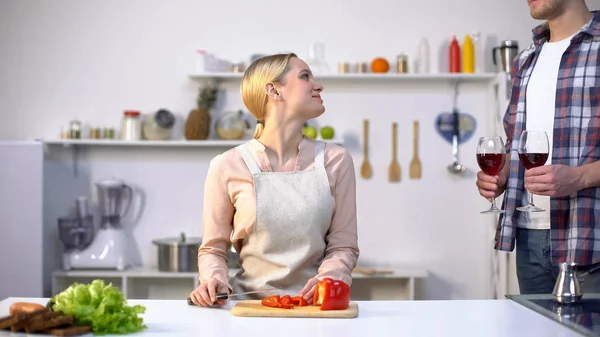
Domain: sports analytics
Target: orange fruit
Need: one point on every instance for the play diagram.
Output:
(380, 65)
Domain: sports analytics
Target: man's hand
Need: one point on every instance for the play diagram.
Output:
(490, 186)
(553, 180)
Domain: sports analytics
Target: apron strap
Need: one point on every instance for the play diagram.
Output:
(248, 159)
(319, 154)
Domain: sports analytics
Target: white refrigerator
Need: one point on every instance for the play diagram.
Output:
(30, 198)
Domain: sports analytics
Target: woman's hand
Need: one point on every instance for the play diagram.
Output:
(309, 289)
(206, 293)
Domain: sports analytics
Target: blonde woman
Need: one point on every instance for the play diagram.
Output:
(286, 202)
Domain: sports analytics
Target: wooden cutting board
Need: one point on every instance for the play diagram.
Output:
(253, 308)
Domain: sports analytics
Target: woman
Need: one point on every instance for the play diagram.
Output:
(286, 202)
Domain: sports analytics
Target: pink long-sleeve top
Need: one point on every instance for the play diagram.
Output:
(228, 179)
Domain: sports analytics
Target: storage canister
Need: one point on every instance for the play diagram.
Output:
(131, 125)
(178, 254)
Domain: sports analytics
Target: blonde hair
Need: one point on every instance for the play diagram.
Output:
(267, 69)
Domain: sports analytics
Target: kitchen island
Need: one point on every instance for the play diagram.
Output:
(490, 318)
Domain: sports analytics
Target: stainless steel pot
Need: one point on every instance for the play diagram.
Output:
(178, 254)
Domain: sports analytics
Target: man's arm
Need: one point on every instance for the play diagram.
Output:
(590, 174)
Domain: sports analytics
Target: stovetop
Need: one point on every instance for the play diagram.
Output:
(584, 316)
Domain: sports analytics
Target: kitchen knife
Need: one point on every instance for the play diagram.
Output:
(225, 296)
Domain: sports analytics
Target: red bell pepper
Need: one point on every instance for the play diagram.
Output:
(332, 294)
(299, 301)
(286, 302)
(271, 301)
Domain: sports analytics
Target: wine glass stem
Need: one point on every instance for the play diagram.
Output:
(494, 203)
(531, 198)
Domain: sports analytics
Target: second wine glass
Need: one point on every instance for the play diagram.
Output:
(533, 152)
(491, 157)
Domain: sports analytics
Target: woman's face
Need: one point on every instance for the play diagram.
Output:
(301, 93)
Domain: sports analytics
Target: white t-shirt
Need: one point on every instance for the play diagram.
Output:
(540, 105)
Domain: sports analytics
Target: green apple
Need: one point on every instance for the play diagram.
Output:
(310, 132)
(327, 132)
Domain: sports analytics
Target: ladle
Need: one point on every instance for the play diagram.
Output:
(455, 167)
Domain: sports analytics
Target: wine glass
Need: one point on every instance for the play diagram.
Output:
(491, 157)
(533, 152)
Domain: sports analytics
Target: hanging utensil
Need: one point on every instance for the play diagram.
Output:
(455, 167)
(365, 169)
(394, 170)
(415, 163)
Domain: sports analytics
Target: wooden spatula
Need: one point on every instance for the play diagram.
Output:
(394, 170)
(415, 163)
(365, 170)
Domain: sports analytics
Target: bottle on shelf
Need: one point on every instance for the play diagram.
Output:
(422, 60)
(454, 54)
(468, 55)
(479, 51)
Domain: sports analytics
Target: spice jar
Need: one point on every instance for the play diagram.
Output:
(131, 126)
(402, 64)
(361, 67)
(75, 129)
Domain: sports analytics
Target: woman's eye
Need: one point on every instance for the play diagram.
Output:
(304, 75)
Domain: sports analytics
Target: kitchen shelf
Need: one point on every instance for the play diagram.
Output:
(355, 77)
(77, 144)
(61, 279)
(153, 143)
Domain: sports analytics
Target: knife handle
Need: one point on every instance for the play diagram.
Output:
(220, 296)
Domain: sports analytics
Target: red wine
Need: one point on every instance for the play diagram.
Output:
(491, 163)
(531, 160)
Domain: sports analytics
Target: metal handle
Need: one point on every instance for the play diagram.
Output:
(455, 136)
(494, 54)
(129, 199)
(587, 272)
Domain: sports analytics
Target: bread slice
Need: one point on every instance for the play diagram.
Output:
(34, 317)
(53, 322)
(18, 318)
(74, 330)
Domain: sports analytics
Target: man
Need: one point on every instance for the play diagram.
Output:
(556, 88)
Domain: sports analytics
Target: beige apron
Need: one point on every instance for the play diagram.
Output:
(293, 214)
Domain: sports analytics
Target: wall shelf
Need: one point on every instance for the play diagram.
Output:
(403, 278)
(357, 77)
(76, 144)
(152, 143)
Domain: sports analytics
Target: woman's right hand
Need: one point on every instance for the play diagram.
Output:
(206, 293)
(490, 186)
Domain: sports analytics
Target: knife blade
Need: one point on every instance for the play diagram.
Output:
(225, 296)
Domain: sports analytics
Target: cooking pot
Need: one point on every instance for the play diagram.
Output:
(178, 254)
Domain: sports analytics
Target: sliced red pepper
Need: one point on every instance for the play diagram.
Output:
(286, 302)
(271, 301)
(332, 294)
(299, 301)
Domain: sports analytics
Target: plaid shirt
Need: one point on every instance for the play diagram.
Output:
(574, 236)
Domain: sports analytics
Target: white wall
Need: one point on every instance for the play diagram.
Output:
(91, 60)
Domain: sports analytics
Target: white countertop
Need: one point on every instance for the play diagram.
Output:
(490, 318)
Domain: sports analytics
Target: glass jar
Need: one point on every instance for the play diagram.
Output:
(402, 64)
(131, 128)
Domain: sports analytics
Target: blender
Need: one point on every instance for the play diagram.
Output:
(108, 250)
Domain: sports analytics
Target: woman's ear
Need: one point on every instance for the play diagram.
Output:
(272, 91)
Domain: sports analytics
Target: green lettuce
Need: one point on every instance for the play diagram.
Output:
(101, 306)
